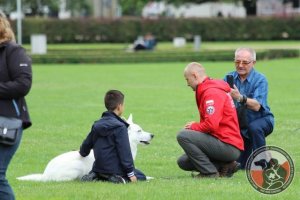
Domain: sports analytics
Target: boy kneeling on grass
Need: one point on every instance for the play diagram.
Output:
(109, 140)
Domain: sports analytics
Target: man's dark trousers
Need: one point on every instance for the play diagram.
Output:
(254, 137)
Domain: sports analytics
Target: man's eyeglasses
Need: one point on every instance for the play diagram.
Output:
(243, 62)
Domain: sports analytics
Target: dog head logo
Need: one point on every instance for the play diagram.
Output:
(270, 170)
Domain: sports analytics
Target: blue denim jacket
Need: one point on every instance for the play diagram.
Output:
(255, 86)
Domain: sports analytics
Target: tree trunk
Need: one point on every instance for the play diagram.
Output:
(250, 6)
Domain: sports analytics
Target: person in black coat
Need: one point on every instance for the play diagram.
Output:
(15, 84)
(109, 140)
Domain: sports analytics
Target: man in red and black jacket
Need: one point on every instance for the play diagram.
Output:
(212, 145)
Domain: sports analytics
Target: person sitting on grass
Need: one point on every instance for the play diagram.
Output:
(109, 140)
(148, 42)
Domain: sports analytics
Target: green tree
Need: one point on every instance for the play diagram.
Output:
(36, 7)
(132, 7)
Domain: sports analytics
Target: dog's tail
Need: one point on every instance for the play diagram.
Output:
(32, 177)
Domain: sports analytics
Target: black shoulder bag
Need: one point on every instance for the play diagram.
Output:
(9, 129)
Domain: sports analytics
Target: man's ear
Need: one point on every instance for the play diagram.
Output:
(194, 75)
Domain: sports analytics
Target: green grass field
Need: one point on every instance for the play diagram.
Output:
(66, 99)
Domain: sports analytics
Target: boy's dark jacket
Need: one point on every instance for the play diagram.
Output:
(109, 140)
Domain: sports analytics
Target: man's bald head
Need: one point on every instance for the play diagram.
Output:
(195, 67)
(194, 74)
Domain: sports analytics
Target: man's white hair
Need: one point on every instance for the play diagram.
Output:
(250, 50)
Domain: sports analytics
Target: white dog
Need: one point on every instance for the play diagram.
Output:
(71, 165)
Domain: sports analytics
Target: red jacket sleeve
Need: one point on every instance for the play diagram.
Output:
(211, 112)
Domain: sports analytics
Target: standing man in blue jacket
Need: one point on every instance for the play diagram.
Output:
(109, 140)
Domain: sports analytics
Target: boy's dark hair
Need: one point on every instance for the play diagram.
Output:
(112, 99)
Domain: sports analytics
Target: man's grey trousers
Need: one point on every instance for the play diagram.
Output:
(203, 152)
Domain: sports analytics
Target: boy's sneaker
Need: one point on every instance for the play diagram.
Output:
(92, 176)
(116, 179)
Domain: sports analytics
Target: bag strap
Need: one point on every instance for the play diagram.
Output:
(16, 107)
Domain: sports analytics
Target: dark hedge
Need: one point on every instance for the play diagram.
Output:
(91, 30)
(96, 56)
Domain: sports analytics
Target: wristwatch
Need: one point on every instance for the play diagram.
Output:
(242, 99)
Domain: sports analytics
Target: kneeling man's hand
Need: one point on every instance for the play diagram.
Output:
(188, 125)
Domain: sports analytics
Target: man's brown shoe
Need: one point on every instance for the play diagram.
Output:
(227, 170)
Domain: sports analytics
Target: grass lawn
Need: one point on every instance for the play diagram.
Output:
(66, 99)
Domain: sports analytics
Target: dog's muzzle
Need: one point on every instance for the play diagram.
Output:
(147, 142)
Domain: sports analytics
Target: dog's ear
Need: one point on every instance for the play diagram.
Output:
(129, 120)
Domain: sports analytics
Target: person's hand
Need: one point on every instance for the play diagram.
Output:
(80, 156)
(235, 93)
(133, 179)
(188, 125)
